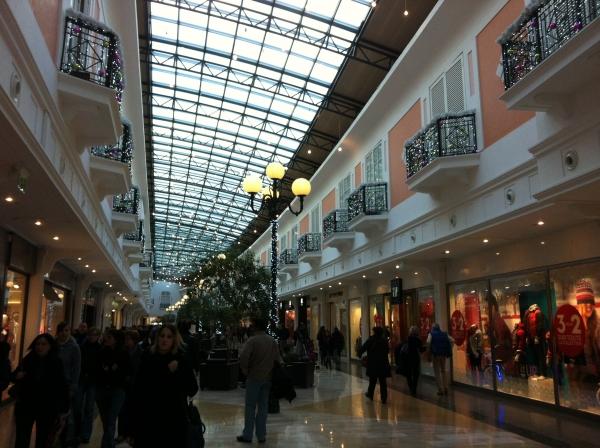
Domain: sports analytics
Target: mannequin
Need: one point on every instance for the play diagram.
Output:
(535, 337)
(519, 347)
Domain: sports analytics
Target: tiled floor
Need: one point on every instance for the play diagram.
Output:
(335, 413)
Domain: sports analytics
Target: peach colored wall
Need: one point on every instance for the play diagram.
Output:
(47, 15)
(358, 174)
(407, 126)
(497, 119)
(328, 203)
(304, 225)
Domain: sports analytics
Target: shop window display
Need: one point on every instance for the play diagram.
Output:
(13, 308)
(576, 332)
(519, 333)
(54, 308)
(426, 316)
(469, 325)
(376, 311)
(356, 338)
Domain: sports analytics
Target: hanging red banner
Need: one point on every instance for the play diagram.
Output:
(569, 330)
(458, 328)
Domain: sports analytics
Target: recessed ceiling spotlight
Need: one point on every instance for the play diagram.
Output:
(364, 276)
(416, 273)
(9, 199)
(254, 230)
(106, 283)
(339, 283)
(485, 241)
(78, 258)
(321, 289)
(93, 271)
(397, 266)
(497, 253)
(87, 265)
(405, 12)
(340, 149)
(380, 272)
(373, 4)
(447, 251)
(540, 223)
(55, 238)
(542, 243)
(38, 222)
(309, 151)
(329, 286)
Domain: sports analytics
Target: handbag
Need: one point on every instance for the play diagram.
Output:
(196, 427)
(364, 361)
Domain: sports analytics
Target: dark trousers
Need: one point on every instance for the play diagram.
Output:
(412, 378)
(382, 386)
(25, 416)
(109, 401)
(126, 415)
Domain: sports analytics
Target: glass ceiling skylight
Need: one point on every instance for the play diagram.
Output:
(235, 85)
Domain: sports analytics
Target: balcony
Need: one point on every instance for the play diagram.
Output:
(288, 261)
(335, 231)
(146, 265)
(125, 212)
(133, 242)
(309, 248)
(368, 209)
(549, 53)
(442, 154)
(90, 82)
(110, 166)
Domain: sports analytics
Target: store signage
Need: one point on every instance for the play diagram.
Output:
(396, 288)
(426, 316)
(569, 330)
(458, 328)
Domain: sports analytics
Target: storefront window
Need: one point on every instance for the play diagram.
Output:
(426, 318)
(54, 308)
(339, 320)
(376, 311)
(290, 319)
(576, 330)
(469, 325)
(356, 339)
(13, 310)
(520, 324)
(314, 317)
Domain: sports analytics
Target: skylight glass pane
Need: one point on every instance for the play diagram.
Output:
(234, 85)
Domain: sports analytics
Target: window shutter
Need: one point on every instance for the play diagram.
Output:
(378, 162)
(455, 89)
(315, 220)
(294, 238)
(344, 188)
(438, 99)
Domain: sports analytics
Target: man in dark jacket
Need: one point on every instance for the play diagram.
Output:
(378, 364)
(90, 364)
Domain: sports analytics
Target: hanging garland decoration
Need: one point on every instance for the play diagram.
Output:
(542, 28)
(92, 51)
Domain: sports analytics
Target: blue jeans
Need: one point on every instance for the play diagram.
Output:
(86, 406)
(257, 396)
(109, 403)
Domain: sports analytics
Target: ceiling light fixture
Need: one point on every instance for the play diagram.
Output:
(397, 266)
(380, 272)
(55, 238)
(87, 265)
(9, 199)
(373, 4)
(405, 8)
(542, 242)
(364, 276)
(540, 223)
(93, 271)
(38, 222)
(485, 241)
(447, 251)
(309, 151)
(416, 273)
(340, 149)
(497, 253)
(79, 258)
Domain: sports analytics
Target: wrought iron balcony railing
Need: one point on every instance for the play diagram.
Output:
(541, 31)
(146, 260)
(288, 257)
(451, 135)
(122, 151)
(92, 52)
(336, 221)
(368, 199)
(137, 235)
(127, 203)
(310, 242)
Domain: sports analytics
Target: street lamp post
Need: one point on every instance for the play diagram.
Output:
(272, 202)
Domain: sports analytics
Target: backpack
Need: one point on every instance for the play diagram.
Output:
(440, 344)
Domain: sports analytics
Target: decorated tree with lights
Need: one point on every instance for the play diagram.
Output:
(227, 289)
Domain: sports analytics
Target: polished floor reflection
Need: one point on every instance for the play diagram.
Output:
(336, 413)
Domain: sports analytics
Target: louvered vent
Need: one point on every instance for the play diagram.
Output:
(455, 90)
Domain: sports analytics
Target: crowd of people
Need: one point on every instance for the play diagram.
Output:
(141, 378)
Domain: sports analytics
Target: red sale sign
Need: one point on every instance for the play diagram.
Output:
(569, 331)
(458, 328)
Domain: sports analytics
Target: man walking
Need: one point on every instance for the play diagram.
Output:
(440, 345)
(256, 361)
(70, 355)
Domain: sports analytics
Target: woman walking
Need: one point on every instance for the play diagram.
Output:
(41, 393)
(378, 364)
(110, 386)
(164, 383)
